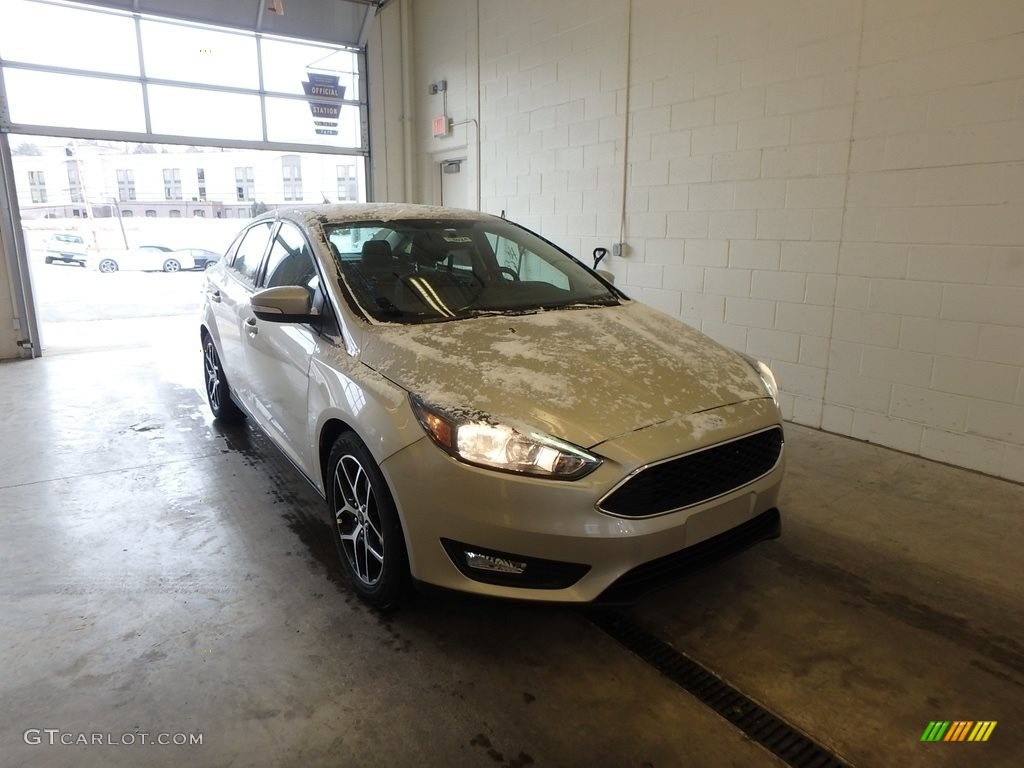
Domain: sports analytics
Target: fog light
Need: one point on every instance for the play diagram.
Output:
(494, 564)
(509, 569)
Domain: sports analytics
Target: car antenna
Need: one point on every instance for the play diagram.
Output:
(503, 213)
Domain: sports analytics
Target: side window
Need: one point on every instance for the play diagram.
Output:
(290, 261)
(526, 264)
(229, 254)
(250, 251)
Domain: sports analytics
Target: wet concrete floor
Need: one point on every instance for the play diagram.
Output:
(162, 574)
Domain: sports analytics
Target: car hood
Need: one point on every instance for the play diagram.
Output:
(584, 375)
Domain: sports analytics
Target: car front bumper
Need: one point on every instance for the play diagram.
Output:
(442, 501)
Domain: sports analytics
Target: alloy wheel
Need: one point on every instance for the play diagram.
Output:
(358, 520)
(171, 266)
(108, 266)
(212, 368)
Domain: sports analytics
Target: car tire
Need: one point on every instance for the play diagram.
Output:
(365, 526)
(108, 266)
(218, 393)
(49, 260)
(172, 265)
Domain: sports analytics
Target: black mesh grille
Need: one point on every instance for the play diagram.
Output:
(697, 476)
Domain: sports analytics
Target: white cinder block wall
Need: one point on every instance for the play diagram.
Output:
(835, 186)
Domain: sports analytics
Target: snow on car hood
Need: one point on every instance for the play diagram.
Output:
(584, 375)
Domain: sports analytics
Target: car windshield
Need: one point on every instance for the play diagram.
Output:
(428, 270)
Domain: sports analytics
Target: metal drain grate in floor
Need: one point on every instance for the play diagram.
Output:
(774, 734)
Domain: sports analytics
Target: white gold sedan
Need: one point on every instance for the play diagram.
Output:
(483, 413)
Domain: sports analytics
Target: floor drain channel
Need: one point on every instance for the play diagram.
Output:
(774, 734)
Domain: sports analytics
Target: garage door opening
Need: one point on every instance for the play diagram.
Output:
(118, 234)
(136, 143)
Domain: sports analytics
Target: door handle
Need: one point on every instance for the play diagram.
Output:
(250, 326)
(214, 296)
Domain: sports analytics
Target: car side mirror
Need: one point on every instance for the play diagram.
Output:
(283, 304)
(609, 276)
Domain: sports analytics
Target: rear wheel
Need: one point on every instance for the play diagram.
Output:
(108, 266)
(172, 265)
(367, 531)
(217, 392)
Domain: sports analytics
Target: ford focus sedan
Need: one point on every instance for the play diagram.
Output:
(481, 412)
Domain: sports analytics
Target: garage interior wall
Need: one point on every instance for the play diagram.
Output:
(836, 187)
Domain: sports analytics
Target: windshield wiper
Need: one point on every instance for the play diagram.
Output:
(609, 301)
(492, 311)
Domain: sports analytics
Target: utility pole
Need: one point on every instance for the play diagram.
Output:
(120, 220)
(71, 150)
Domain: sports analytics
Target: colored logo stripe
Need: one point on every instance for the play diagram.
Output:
(982, 730)
(958, 730)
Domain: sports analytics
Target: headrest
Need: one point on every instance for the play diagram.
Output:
(377, 256)
(423, 251)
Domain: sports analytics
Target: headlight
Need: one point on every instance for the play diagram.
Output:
(478, 440)
(767, 377)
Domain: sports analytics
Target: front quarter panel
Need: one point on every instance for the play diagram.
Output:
(208, 317)
(342, 388)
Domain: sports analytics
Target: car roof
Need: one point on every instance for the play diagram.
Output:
(341, 213)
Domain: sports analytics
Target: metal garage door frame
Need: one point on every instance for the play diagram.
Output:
(13, 239)
(12, 236)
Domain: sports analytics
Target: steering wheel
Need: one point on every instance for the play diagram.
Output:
(511, 273)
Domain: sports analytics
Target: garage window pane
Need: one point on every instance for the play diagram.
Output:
(38, 33)
(311, 122)
(193, 112)
(41, 98)
(287, 66)
(198, 55)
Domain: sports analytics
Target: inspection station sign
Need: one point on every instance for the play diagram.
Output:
(325, 113)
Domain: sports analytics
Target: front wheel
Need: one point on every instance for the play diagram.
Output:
(108, 265)
(217, 392)
(172, 265)
(367, 532)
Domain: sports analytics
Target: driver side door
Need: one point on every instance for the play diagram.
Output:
(230, 296)
(278, 355)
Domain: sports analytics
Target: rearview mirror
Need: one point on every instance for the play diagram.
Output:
(283, 304)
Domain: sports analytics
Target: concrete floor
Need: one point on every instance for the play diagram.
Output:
(163, 574)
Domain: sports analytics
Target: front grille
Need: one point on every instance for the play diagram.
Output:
(696, 477)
